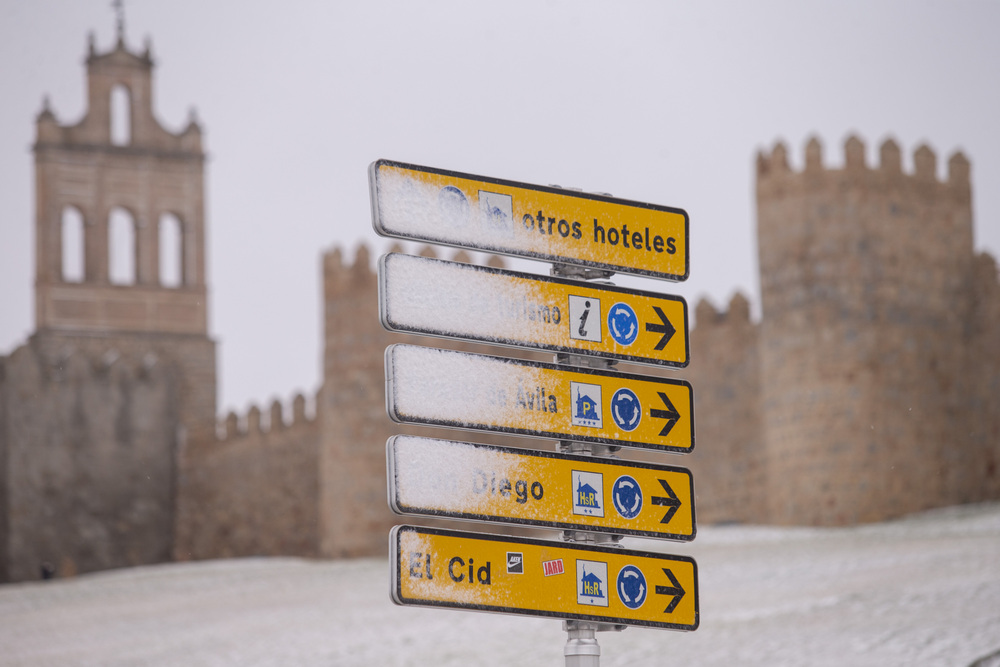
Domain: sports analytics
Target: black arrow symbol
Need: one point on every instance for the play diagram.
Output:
(671, 501)
(670, 414)
(666, 328)
(676, 590)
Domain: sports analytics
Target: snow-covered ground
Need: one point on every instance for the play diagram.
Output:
(924, 591)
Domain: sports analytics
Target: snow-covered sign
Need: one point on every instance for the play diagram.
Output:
(460, 480)
(474, 391)
(546, 223)
(450, 299)
(445, 568)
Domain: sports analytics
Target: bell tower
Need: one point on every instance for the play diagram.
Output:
(129, 194)
(119, 377)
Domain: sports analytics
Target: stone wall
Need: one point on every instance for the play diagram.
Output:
(254, 492)
(354, 514)
(983, 382)
(90, 442)
(5, 388)
(866, 277)
(728, 459)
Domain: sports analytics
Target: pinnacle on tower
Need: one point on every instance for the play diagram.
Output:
(890, 157)
(925, 163)
(119, 7)
(854, 154)
(814, 155)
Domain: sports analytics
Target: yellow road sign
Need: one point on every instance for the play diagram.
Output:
(546, 223)
(432, 567)
(460, 390)
(450, 299)
(460, 480)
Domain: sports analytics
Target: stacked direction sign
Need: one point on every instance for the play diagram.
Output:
(589, 408)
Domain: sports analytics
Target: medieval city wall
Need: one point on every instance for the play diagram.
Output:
(983, 380)
(354, 513)
(867, 284)
(90, 439)
(728, 458)
(253, 491)
(870, 387)
(5, 387)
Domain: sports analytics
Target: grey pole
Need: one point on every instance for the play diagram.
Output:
(582, 649)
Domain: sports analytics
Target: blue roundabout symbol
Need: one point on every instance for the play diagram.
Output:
(623, 324)
(626, 409)
(631, 587)
(627, 497)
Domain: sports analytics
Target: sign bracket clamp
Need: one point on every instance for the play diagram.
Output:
(582, 648)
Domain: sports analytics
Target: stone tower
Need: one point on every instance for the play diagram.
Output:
(120, 371)
(150, 177)
(867, 296)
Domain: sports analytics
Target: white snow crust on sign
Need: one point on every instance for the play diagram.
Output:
(412, 209)
(441, 385)
(922, 591)
(460, 300)
(449, 476)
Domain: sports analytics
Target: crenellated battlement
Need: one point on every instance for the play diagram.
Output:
(861, 239)
(341, 275)
(253, 423)
(736, 315)
(875, 310)
(253, 488)
(775, 175)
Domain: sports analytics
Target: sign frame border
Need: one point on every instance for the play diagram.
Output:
(531, 345)
(381, 230)
(548, 435)
(395, 588)
(582, 459)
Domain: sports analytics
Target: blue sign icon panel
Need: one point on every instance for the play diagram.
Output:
(626, 409)
(627, 497)
(453, 206)
(631, 587)
(588, 496)
(623, 324)
(592, 583)
(584, 318)
(497, 212)
(586, 405)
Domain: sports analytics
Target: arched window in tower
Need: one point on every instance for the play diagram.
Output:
(122, 247)
(121, 116)
(72, 264)
(171, 251)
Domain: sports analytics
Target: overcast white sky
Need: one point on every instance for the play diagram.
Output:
(665, 102)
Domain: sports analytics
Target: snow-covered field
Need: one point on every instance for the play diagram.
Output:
(924, 591)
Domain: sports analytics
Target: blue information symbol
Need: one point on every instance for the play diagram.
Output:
(623, 324)
(627, 497)
(631, 587)
(626, 409)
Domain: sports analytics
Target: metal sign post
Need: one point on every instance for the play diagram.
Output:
(582, 648)
(587, 579)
